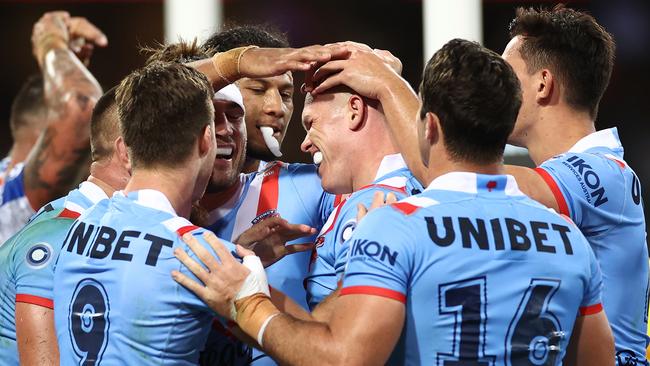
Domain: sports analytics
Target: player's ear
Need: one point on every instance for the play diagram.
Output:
(207, 140)
(122, 153)
(356, 112)
(432, 131)
(545, 84)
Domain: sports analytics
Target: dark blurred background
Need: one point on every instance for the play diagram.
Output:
(395, 25)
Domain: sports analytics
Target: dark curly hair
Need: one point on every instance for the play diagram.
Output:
(476, 95)
(245, 35)
(573, 46)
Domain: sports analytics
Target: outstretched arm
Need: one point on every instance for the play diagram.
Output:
(253, 62)
(70, 93)
(362, 330)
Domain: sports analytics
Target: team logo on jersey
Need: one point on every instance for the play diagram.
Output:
(589, 180)
(628, 358)
(362, 249)
(39, 255)
(347, 230)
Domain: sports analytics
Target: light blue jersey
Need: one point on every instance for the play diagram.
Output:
(331, 252)
(26, 261)
(115, 302)
(601, 193)
(292, 191)
(15, 209)
(483, 271)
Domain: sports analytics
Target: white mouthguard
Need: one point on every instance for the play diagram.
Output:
(270, 141)
(318, 157)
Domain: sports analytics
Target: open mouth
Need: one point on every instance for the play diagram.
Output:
(224, 152)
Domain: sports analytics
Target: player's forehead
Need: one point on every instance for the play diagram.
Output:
(284, 81)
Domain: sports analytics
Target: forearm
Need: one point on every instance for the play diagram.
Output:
(207, 68)
(297, 342)
(286, 305)
(400, 106)
(222, 68)
(52, 167)
(65, 79)
(323, 312)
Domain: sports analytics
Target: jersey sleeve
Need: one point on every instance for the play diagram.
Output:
(592, 301)
(581, 182)
(34, 258)
(348, 224)
(187, 297)
(380, 260)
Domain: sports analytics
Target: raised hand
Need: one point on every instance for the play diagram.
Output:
(378, 200)
(84, 36)
(58, 29)
(268, 237)
(264, 62)
(363, 69)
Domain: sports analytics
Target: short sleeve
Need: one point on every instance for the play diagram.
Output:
(186, 296)
(380, 261)
(34, 258)
(592, 298)
(348, 224)
(581, 182)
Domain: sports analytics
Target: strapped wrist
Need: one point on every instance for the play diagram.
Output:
(227, 64)
(254, 314)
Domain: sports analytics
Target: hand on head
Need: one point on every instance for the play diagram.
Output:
(361, 68)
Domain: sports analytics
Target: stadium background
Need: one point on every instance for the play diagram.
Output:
(395, 25)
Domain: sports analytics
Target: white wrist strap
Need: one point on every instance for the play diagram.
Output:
(255, 282)
(260, 334)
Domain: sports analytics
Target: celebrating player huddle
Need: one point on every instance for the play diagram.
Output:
(407, 242)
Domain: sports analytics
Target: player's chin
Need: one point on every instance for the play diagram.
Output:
(222, 165)
(260, 153)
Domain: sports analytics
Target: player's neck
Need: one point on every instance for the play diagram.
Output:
(556, 132)
(177, 186)
(366, 170)
(251, 165)
(107, 176)
(214, 200)
(19, 152)
(443, 165)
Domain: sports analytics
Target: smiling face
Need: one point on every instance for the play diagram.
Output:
(230, 132)
(329, 137)
(269, 102)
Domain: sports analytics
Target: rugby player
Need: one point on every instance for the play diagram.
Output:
(295, 191)
(27, 325)
(347, 136)
(564, 60)
(100, 312)
(430, 287)
(269, 101)
(238, 201)
(49, 122)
